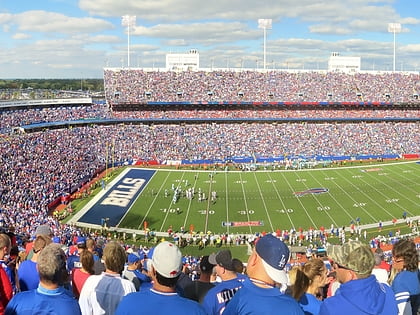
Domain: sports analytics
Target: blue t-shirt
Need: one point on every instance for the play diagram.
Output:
(155, 302)
(361, 296)
(310, 304)
(252, 299)
(217, 297)
(43, 301)
(28, 275)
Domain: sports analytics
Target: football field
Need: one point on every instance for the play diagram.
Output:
(255, 201)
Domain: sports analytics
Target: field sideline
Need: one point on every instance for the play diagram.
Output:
(256, 201)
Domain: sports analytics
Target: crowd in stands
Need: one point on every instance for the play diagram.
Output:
(86, 273)
(10, 119)
(138, 86)
(38, 167)
(268, 113)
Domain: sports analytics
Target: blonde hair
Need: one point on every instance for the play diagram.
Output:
(114, 257)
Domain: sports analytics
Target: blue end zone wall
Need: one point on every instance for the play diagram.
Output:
(119, 198)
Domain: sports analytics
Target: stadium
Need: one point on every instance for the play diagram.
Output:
(216, 151)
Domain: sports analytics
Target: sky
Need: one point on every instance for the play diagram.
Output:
(77, 39)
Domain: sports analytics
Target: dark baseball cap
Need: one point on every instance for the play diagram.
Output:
(205, 265)
(222, 258)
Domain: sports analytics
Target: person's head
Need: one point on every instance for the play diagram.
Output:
(40, 242)
(166, 264)
(87, 261)
(51, 265)
(43, 229)
(312, 274)
(268, 261)
(224, 264)
(5, 245)
(405, 256)
(114, 257)
(352, 260)
(238, 265)
(134, 261)
(80, 243)
(205, 266)
(90, 244)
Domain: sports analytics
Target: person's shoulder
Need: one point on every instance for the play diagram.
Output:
(190, 306)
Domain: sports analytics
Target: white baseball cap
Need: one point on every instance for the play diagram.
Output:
(167, 260)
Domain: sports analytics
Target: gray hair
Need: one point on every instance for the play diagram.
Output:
(51, 265)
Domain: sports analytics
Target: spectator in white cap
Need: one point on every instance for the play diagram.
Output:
(162, 297)
(260, 293)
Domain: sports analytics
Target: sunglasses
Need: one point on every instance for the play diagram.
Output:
(395, 260)
(338, 266)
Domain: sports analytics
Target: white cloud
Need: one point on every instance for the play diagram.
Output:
(51, 22)
(21, 36)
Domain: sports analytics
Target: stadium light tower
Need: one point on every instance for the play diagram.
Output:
(128, 21)
(265, 24)
(394, 28)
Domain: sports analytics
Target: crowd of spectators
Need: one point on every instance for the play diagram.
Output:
(21, 117)
(38, 167)
(268, 113)
(10, 119)
(138, 86)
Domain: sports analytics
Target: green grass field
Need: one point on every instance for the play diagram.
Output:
(372, 193)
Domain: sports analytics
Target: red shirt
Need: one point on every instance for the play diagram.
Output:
(6, 290)
(78, 280)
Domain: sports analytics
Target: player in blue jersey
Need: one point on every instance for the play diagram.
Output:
(162, 298)
(50, 297)
(261, 293)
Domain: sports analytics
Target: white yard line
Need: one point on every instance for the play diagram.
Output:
(281, 200)
(263, 201)
(151, 205)
(348, 195)
(303, 207)
(246, 204)
(170, 205)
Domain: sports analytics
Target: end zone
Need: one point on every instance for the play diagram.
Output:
(115, 200)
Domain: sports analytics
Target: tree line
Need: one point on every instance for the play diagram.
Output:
(93, 85)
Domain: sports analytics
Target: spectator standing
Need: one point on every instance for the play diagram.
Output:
(309, 280)
(198, 289)
(74, 253)
(6, 290)
(261, 292)
(102, 293)
(42, 229)
(162, 299)
(80, 275)
(133, 271)
(217, 297)
(381, 268)
(50, 297)
(359, 292)
(405, 277)
(28, 272)
(5, 246)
